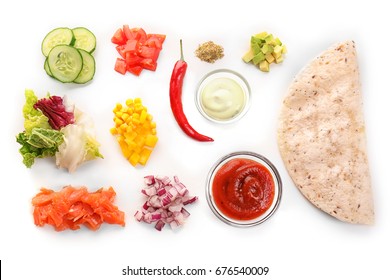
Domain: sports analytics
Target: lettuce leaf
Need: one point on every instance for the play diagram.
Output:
(54, 109)
(57, 129)
(32, 117)
(79, 144)
(40, 143)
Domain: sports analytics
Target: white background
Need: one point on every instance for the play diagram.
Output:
(298, 242)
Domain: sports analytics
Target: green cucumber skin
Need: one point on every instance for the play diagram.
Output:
(47, 69)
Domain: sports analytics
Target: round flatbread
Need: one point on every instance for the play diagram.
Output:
(321, 136)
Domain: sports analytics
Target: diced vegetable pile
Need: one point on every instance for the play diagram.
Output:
(264, 50)
(135, 131)
(68, 54)
(165, 202)
(138, 50)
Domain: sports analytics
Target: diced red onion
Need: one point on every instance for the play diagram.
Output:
(165, 203)
(185, 213)
(138, 216)
(149, 180)
(159, 225)
(161, 192)
(189, 200)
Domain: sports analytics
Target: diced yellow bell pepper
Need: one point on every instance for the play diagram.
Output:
(135, 131)
(151, 140)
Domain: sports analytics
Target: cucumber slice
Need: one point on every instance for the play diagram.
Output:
(88, 70)
(84, 39)
(58, 36)
(65, 63)
(47, 69)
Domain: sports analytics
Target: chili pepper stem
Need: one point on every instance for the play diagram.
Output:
(181, 51)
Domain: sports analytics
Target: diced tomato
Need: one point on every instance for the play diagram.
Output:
(138, 50)
(127, 32)
(131, 46)
(120, 66)
(148, 63)
(159, 37)
(147, 52)
(119, 37)
(133, 59)
(136, 70)
(121, 50)
(153, 42)
(139, 34)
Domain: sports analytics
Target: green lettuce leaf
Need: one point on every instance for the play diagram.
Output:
(32, 117)
(40, 143)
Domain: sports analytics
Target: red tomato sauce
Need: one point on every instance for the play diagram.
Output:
(243, 189)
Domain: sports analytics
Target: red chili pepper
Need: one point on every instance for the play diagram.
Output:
(175, 91)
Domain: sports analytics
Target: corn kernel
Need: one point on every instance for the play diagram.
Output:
(118, 106)
(113, 130)
(125, 116)
(119, 114)
(129, 102)
(118, 122)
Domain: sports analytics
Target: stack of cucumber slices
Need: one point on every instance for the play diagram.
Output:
(68, 54)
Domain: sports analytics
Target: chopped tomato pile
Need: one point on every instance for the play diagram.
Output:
(72, 207)
(137, 49)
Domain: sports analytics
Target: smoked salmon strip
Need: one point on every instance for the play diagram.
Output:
(71, 207)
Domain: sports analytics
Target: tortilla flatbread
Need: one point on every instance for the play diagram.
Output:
(321, 136)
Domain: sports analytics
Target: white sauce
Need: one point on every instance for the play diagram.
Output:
(222, 99)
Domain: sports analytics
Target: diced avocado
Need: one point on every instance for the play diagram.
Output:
(269, 57)
(279, 59)
(264, 66)
(267, 49)
(278, 42)
(256, 49)
(277, 51)
(261, 35)
(264, 50)
(248, 56)
(255, 42)
(269, 38)
(258, 58)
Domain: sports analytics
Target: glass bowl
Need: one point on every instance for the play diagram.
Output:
(223, 88)
(277, 189)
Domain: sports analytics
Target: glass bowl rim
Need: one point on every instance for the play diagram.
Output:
(262, 160)
(237, 77)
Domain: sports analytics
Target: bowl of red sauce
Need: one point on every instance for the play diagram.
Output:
(243, 189)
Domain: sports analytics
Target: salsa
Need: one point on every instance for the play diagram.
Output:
(243, 189)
